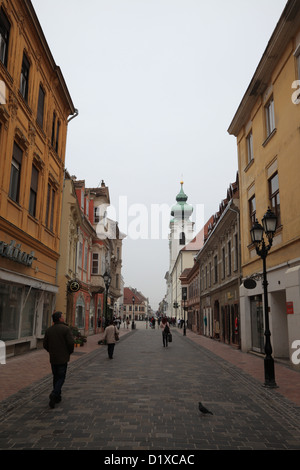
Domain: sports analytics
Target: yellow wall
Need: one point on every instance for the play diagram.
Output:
(281, 153)
(18, 120)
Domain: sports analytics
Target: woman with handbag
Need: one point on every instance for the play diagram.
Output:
(165, 331)
(111, 336)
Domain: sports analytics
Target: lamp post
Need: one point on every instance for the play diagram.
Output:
(107, 281)
(184, 298)
(132, 325)
(269, 223)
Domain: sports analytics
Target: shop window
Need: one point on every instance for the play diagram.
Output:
(10, 296)
(47, 310)
(28, 313)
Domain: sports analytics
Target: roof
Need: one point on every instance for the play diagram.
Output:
(195, 244)
(284, 32)
(55, 68)
(129, 293)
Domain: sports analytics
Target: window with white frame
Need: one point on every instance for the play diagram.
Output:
(236, 252)
(252, 210)
(275, 196)
(249, 140)
(80, 248)
(96, 215)
(223, 263)
(95, 263)
(85, 257)
(229, 257)
(15, 174)
(270, 117)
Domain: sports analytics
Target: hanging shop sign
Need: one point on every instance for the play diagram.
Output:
(73, 286)
(250, 283)
(13, 252)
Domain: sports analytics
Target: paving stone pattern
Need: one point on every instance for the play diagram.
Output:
(146, 398)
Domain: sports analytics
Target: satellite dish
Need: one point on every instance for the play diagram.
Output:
(249, 283)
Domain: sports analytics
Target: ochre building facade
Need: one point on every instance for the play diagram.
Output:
(34, 112)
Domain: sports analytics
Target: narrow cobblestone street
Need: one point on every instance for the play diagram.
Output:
(146, 398)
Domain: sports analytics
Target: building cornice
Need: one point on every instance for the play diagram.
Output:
(286, 28)
(56, 69)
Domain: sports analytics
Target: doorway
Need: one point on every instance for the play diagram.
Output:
(257, 323)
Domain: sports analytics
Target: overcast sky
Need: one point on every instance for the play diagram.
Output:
(156, 83)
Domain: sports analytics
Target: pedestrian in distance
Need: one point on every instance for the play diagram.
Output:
(110, 336)
(59, 342)
(165, 331)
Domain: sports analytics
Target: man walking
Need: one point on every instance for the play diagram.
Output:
(59, 343)
(110, 337)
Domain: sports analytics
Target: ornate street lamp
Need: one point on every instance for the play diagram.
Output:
(268, 227)
(107, 281)
(132, 325)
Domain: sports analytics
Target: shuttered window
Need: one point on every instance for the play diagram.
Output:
(40, 109)
(33, 191)
(49, 220)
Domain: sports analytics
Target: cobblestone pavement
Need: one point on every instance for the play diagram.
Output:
(146, 398)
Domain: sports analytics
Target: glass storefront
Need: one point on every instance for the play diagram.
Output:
(19, 309)
(10, 296)
(257, 323)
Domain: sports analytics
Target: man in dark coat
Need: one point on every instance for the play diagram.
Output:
(59, 342)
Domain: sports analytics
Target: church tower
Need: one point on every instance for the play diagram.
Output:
(181, 227)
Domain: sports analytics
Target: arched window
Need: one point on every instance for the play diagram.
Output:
(80, 313)
(182, 239)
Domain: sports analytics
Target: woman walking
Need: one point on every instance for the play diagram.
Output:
(165, 331)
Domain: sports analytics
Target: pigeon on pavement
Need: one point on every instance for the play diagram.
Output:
(204, 410)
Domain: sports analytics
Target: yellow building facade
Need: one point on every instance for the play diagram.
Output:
(266, 126)
(34, 113)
